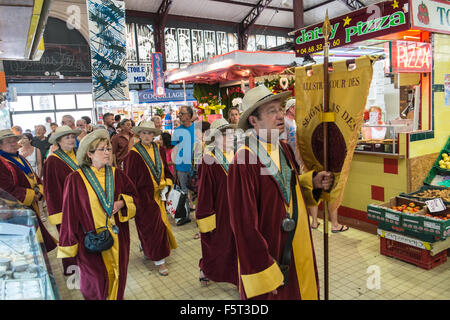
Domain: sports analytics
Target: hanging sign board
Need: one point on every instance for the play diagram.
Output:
(409, 56)
(431, 15)
(376, 20)
(158, 74)
(136, 74)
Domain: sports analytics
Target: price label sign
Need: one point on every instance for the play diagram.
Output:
(435, 205)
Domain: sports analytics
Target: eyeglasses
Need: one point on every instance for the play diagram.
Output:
(104, 149)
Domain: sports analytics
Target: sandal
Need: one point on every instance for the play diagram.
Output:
(164, 272)
(204, 281)
(318, 224)
(341, 229)
(197, 235)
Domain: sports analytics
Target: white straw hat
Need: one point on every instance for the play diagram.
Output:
(146, 126)
(85, 143)
(7, 133)
(62, 131)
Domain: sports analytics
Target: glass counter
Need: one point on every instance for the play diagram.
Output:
(25, 273)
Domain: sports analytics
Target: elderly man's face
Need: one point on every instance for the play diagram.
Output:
(81, 124)
(271, 117)
(40, 131)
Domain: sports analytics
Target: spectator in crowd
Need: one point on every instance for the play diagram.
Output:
(108, 119)
(31, 153)
(48, 124)
(168, 147)
(157, 121)
(183, 138)
(68, 120)
(176, 123)
(233, 115)
(89, 127)
(40, 141)
(117, 119)
(17, 130)
(121, 142)
(82, 126)
(53, 127)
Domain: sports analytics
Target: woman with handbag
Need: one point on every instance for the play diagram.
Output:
(146, 166)
(57, 168)
(219, 258)
(98, 202)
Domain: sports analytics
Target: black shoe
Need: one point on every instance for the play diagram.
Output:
(183, 221)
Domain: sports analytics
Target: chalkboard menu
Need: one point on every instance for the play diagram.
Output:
(66, 53)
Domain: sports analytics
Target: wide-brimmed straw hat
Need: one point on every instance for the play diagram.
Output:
(146, 126)
(219, 125)
(85, 143)
(255, 98)
(62, 131)
(7, 133)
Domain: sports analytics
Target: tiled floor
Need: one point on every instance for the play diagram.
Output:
(354, 260)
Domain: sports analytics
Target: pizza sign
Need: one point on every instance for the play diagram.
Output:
(410, 56)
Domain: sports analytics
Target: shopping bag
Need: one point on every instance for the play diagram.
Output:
(176, 204)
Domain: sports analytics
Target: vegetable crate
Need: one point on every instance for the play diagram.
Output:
(409, 233)
(384, 212)
(434, 192)
(417, 256)
(437, 226)
(436, 169)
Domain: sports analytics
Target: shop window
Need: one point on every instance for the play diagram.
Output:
(210, 43)
(184, 43)
(131, 43)
(281, 40)
(260, 42)
(271, 42)
(198, 45)
(171, 45)
(29, 121)
(84, 101)
(65, 101)
(222, 43)
(251, 45)
(44, 102)
(232, 42)
(23, 103)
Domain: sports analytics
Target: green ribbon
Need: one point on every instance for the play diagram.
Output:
(282, 178)
(156, 169)
(222, 159)
(68, 160)
(106, 197)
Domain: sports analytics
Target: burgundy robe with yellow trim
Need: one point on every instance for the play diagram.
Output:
(102, 276)
(257, 209)
(152, 231)
(55, 172)
(24, 192)
(219, 258)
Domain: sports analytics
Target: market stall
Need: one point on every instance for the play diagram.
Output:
(400, 150)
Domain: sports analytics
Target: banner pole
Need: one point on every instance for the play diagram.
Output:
(326, 32)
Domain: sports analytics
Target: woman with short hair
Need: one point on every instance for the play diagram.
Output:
(97, 198)
(31, 153)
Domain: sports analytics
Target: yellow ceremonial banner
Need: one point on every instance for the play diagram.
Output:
(348, 90)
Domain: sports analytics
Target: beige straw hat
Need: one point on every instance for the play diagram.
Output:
(146, 126)
(62, 131)
(7, 133)
(85, 143)
(219, 125)
(255, 98)
(289, 103)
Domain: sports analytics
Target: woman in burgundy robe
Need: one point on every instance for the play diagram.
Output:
(152, 225)
(102, 276)
(57, 167)
(25, 187)
(219, 259)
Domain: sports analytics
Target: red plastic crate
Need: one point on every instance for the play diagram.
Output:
(417, 256)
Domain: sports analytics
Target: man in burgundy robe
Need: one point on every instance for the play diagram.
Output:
(261, 197)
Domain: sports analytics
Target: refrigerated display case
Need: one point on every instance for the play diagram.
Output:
(25, 272)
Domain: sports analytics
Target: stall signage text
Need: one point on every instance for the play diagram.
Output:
(136, 74)
(158, 74)
(373, 21)
(431, 15)
(410, 56)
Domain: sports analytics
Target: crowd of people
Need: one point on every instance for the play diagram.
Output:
(246, 184)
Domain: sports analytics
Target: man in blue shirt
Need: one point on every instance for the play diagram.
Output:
(183, 138)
